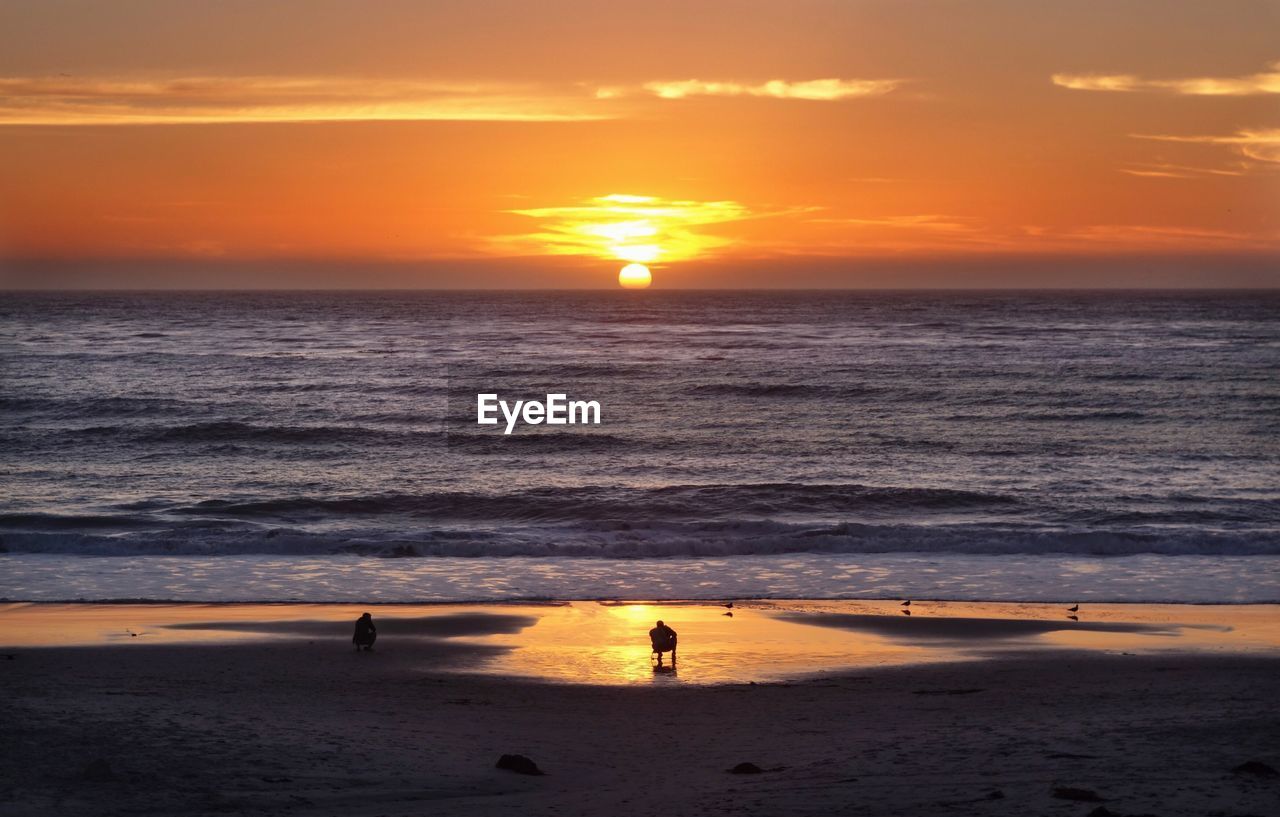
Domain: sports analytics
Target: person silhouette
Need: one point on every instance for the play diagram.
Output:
(366, 633)
(663, 639)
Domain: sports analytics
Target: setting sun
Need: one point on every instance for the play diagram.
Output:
(635, 276)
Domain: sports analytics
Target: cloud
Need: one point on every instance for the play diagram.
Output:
(67, 100)
(628, 227)
(813, 90)
(211, 100)
(1145, 236)
(1170, 171)
(1155, 174)
(1267, 82)
(1262, 145)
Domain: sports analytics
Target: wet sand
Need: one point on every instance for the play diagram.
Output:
(292, 722)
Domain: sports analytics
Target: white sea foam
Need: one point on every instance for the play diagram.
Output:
(1142, 578)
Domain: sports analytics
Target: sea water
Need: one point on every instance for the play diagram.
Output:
(267, 446)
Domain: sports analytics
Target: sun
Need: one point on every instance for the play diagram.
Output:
(635, 276)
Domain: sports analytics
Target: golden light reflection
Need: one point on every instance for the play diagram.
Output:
(607, 643)
(638, 229)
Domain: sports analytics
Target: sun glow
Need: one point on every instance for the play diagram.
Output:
(635, 276)
(639, 229)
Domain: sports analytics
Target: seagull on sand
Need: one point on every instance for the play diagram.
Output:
(1073, 609)
(727, 604)
(906, 603)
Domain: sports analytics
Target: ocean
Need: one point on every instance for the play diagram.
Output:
(322, 446)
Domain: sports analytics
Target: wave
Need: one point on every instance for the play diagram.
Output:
(727, 538)
(550, 442)
(1082, 416)
(91, 407)
(781, 390)
(586, 503)
(51, 521)
(230, 431)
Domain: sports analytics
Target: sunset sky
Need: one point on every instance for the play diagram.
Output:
(521, 144)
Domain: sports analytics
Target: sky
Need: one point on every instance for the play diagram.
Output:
(724, 144)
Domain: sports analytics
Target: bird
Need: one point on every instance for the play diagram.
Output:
(727, 604)
(1073, 609)
(906, 603)
(729, 614)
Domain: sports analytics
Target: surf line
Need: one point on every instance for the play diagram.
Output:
(556, 410)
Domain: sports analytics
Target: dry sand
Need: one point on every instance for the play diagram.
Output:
(309, 728)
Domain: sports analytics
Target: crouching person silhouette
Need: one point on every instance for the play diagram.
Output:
(663, 639)
(366, 633)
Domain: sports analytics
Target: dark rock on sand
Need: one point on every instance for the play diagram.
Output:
(746, 768)
(1256, 768)
(751, 768)
(519, 764)
(99, 771)
(1077, 795)
(1103, 811)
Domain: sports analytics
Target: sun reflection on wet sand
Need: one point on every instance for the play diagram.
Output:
(606, 642)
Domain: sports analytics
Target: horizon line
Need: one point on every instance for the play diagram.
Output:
(629, 292)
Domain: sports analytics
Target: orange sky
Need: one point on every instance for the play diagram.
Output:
(545, 144)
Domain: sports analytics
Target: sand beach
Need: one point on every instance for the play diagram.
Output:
(266, 709)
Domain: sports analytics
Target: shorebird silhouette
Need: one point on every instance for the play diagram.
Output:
(727, 604)
(729, 614)
(906, 603)
(1073, 609)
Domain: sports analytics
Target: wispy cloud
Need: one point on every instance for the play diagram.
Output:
(68, 100)
(1266, 82)
(813, 90)
(1171, 171)
(1155, 174)
(627, 227)
(207, 100)
(1142, 236)
(1259, 144)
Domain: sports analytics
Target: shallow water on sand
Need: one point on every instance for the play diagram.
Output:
(606, 643)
